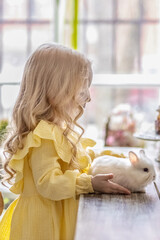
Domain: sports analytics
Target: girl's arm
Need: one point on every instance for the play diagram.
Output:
(49, 179)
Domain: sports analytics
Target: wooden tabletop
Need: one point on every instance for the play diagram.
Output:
(120, 217)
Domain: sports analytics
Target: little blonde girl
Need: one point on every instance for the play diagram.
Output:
(45, 155)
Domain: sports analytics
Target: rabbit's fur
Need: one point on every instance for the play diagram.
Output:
(134, 172)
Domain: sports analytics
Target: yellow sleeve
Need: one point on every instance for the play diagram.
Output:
(83, 184)
(87, 142)
(49, 179)
(111, 153)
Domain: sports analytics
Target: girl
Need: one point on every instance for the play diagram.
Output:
(45, 154)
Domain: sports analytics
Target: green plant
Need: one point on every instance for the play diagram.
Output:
(74, 37)
(3, 129)
(62, 9)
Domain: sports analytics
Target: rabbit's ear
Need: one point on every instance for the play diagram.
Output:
(133, 158)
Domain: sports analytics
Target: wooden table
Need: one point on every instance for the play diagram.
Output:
(120, 217)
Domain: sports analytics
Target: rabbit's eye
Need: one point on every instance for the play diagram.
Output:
(145, 170)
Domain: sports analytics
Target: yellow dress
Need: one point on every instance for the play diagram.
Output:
(46, 208)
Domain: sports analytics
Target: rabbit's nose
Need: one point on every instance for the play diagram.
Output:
(154, 177)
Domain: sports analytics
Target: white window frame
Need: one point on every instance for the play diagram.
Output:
(127, 80)
(118, 80)
(115, 81)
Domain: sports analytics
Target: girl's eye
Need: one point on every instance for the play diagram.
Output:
(81, 94)
(145, 170)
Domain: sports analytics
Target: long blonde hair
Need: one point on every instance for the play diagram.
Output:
(53, 76)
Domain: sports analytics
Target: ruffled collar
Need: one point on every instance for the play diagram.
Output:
(45, 130)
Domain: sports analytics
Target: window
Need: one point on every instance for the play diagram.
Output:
(24, 24)
(120, 37)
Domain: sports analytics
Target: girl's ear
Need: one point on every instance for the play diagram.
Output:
(133, 158)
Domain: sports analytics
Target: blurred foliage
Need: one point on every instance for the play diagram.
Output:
(63, 10)
(74, 36)
(7, 202)
(3, 129)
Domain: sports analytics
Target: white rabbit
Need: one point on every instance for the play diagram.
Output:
(134, 173)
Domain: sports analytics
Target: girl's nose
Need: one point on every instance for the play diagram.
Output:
(88, 99)
(89, 96)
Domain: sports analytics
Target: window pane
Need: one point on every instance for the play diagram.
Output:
(42, 9)
(143, 101)
(40, 34)
(66, 36)
(82, 44)
(14, 52)
(96, 41)
(128, 9)
(150, 49)
(151, 9)
(99, 44)
(8, 98)
(91, 9)
(15, 9)
(127, 45)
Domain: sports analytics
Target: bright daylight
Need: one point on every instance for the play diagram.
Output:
(79, 119)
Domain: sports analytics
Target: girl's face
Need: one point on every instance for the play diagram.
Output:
(82, 98)
(84, 95)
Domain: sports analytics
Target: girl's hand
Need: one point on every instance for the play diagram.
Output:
(101, 183)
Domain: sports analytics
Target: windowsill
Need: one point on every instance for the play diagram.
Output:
(118, 80)
(127, 80)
